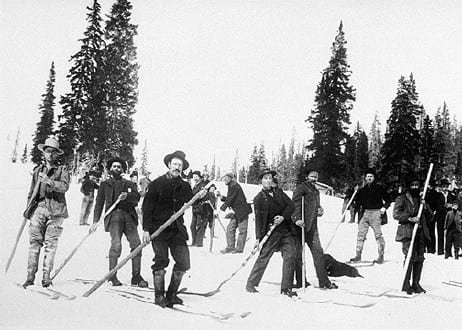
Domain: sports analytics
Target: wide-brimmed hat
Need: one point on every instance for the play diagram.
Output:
(51, 143)
(116, 160)
(197, 173)
(177, 154)
(372, 171)
(265, 171)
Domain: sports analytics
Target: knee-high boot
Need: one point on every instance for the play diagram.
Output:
(114, 280)
(175, 281)
(406, 285)
(417, 272)
(159, 288)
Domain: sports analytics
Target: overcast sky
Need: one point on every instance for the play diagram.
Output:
(220, 75)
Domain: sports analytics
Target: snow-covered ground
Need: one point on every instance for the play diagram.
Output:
(440, 308)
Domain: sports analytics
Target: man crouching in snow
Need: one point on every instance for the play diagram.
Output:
(49, 183)
(272, 205)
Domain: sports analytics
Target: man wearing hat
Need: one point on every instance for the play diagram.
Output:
(88, 187)
(307, 210)
(373, 200)
(199, 218)
(50, 181)
(444, 205)
(237, 201)
(122, 220)
(273, 206)
(165, 196)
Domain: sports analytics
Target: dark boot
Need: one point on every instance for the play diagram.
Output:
(159, 288)
(137, 280)
(114, 280)
(249, 287)
(175, 282)
(416, 273)
(406, 285)
(379, 260)
(357, 258)
(329, 286)
(46, 281)
(29, 280)
(289, 293)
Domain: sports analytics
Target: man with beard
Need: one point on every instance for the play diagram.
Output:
(52, 181)
(122, 220)
(237, 201)
(199, 217)
(165, 196)
(273, 206)
(405, 211)
(373, 200)
(310, 204)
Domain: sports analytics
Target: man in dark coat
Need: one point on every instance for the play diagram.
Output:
(273, 206)
(122, 220)
(199, 216)
(444, 204)
(237, 201)
(432, 199)
(405, 211)
(373, 200)
(165, 196)
(88, 187)
(453, 227)
(308, 221)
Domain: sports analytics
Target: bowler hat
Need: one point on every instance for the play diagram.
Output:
(265, 171)
(371, 170)
(51, 143)
(116, 160)
(177, 154)
(197, 173)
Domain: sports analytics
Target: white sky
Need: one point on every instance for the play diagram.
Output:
(220, 75)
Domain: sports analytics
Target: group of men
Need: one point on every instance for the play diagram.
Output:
(278, 219)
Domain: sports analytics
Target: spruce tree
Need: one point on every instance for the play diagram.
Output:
(144, 158)
(446, 156)
(24, 155)
(45, 125)
(400, 149)
(356, 154)
(331, 115)
(83, 121)
(254, 168)
(121, 71)
(235, 164)
(213, 170)
(427, 145)
(375, 144)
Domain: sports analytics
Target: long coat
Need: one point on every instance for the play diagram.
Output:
(164, 197)
(107, 196)
(261, 207)
(456, 217)
(312, 203)
(236, 200)
(406, 207)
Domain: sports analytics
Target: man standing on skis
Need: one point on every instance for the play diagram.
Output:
(164, 197)
(50, 182)
(308, 221)
(273, 206)
(405, 211)
(122, 220)
(373, 201)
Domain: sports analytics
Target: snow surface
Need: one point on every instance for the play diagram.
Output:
(440, 308)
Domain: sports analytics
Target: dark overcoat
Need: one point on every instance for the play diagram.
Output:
(237, 201)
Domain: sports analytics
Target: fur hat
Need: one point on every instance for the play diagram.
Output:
(177, 154)
(265, 171)
(116, 160)
(372, 171)
(51, 143)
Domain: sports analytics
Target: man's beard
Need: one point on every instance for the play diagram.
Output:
(116, 174)
(414, 192)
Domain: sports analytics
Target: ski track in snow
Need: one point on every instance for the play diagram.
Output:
(23, 309)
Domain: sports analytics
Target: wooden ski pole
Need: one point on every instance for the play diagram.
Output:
(23, 223)
(221, 224)
(416, 226)
(303, 246)
(212, 233)
(341, 219)
(66, 260)
(144, 244)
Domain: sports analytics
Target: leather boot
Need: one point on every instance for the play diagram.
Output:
(29, 280)
(136, 270)
(249, 287)
(46, 281)
(289, 293)
(379, 260)
(114, 280)
(416, 273)
(357, 258)
(159, 288)
(175, 282)
(406, 285)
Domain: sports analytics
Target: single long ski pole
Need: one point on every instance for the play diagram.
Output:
(144, 244)
(23, 224)
(341, 219)
(212, 233)
(243, 264)
(221, 224)
(416, 226)
(69, 257)
(303, 246)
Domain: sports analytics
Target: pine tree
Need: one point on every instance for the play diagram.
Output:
(458, 148)
(254, 168)
(45, 125)
(282, 167)
(331, 115)
(121, 71)
(242, 174)
(427, 146)
(213, 169)
(218, 173)
(400, 149)
(356, 155)
(144, 158)
(235, 164)
(375, 145)
(83, 121)
(14, 154)
(446, 156)
(24, 155)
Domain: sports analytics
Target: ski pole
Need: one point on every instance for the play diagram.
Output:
(66, 260)
(221, 224)
(341, 219)
(416, 226)
(303, 245)
(144, 244)
(212, 233)
(23, 223)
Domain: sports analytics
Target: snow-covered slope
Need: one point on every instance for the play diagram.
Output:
(19, 308)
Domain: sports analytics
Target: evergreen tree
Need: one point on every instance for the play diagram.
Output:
(427, 145)
(400, 149)
(14, 154)
(458, 148)
(254, 168)
(121, 71)
(282, 167)
(235, 164)
(218, 173)
(144, 158)
(24, 155)
(356, 155)
(213, 169)
(242, 174)
(45, 125)
(446, 155)
(375, 145)
(83, 121)
(331, 115)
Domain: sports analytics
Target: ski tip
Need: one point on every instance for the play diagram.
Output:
(244, 315)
